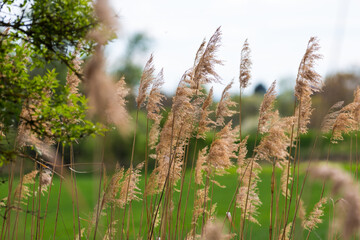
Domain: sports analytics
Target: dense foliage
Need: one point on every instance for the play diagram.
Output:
(33, 33)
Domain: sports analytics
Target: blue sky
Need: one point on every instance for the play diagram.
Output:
(277, 31)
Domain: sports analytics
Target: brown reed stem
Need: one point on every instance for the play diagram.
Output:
(272, 200)
(168, 184)
(76, 191)
(324, 183)
(59, 195)
(356, 156)
(18, 205)
(7, 215)
(26, 214)
(167, 177)
(39, 205)
(33, 208)
(131, 169)
(286, 212)
(189, 186)
(277, 218)
(182, 187)
(99, 205)
(72, 196)
(208, 174)
(50, 187)
(302, 186)
(145, 187)
(350, 155)
(247, 194)
(246, 201)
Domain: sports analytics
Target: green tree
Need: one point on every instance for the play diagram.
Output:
(33, 33)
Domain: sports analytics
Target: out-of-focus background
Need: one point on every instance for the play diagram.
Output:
(277, 31)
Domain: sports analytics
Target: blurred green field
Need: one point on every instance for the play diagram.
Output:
(87, 197)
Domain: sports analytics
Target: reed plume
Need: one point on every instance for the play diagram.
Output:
(154, 106)
(248, 196)
(105, 98)
(213, 231)
(22, 191)
(146, 80)
(241, 159)
(203, 70)
(72, 78)
(347, 119)
(330, 118)
(245, 66)
(205, 123)
(308, 82)
(223, 108)
(223, 148)
(130, 190)
(266, 111)
(315, 216)
(287, 232)
(348, 221)
(200, 166)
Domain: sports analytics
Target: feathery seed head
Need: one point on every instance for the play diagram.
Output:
(245, 66)
(224, 105)
(266, 109)
(147, 79)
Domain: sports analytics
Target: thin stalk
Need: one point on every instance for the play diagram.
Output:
(33, 207)
(189, 186)
(208, 174)
(350, 155)
(99, 205)
(50, 187)
(145, 187)
(272, 200)
(26, 214)
(323, 186)
(277, 218)
(182, 186)
(287, 211)
(76, 191)
(131, 169)
(356, 156)
(247, 195)
(172, 158)
(246, 201)
(170, 183)
(72, 197)
(60, 185)
(39, 206)
(6, 223)
(205, 197)
(18, 205)
(188, 191)
(302, 186)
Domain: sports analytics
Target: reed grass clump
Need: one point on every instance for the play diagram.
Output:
(176, 198)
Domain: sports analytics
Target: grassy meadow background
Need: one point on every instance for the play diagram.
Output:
(87, 197)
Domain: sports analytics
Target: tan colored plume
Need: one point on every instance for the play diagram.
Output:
(245, 66)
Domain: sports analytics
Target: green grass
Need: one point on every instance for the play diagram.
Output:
(87, 197)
